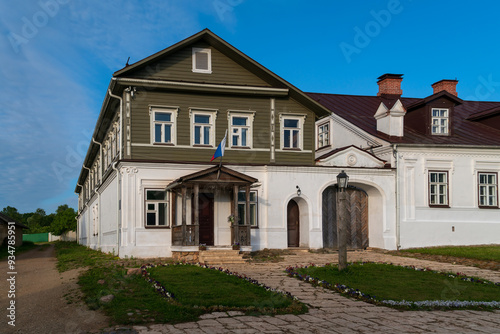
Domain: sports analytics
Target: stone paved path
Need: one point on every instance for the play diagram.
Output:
(332, 313)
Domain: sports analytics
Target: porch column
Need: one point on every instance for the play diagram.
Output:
(236, 189)
(247, 215)
(183, 216)
(196, 214)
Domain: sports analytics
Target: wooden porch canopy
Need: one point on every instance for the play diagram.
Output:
(217, 177)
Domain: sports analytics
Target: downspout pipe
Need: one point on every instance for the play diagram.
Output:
(121, 121)
(78, 215)
(398, 204)
(118, 187)
(99, 195)
(88, 225)
(118, 201)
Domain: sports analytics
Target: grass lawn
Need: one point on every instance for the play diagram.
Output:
(201, 287)
(388, 282)
(484, 253)
(196, 290)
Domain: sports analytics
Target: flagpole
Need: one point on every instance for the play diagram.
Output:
(221, 157)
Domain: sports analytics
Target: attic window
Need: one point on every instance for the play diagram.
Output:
(202, 60)
(439, 121)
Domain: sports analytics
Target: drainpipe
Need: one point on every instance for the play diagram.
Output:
(99, 195)
(78, 215)
(121, 121)
(118, 200)
(398, 205)
(118, 175)
(88, 225)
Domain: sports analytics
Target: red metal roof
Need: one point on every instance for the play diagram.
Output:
(359, 110)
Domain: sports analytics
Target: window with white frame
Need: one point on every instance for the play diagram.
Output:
(323, 135)
(203, 127)
(241, 129)
(242, 208)
(440, 121)
(202, 60)
(291, 131)
(163, 125)
(156, 208)
(488, 190)
(438, 188)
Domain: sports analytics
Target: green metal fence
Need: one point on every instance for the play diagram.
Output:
(36, 237)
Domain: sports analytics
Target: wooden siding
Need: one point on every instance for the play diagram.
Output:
(141, 127)
(178, 67)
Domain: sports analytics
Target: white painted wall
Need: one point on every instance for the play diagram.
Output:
(463, 223)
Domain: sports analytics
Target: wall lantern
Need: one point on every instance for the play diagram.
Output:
(298, 191)
(342, 180)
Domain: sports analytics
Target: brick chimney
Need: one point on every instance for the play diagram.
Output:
(448, 85)
(390, 84)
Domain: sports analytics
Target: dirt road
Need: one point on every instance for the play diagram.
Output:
(40, 297)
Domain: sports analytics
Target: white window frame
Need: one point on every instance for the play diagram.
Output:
(209, 60)
(439, 193)
(255, 203)
(155, 210)
(441, 130)
(488, 188)
(301, 120)
(321, 143)
(173, 124)
(250, 116)
(213, 117)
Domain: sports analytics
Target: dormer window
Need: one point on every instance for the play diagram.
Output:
(323, 135)
(440, 121)
(202, 60)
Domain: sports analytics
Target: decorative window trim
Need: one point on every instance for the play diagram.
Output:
(250, 115)
(213, 117)
(447, 184)
(447, 118)
(301, 118)
(318, 127)
(209, 60)
(156, 209)
(488, 185)
(256, 203)
(173, 120)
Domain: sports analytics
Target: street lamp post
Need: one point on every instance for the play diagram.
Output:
(342, 180)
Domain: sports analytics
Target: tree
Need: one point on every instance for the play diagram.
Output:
(13, 213)
(64, 220)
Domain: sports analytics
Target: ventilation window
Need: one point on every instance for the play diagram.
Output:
(202, 60)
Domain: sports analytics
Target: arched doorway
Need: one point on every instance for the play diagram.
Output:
(293, 224)
(357, 211)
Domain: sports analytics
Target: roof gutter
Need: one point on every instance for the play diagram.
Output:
(254, 90)
(493, 147)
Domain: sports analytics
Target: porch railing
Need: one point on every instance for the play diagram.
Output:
(187, 235)
(241, 234)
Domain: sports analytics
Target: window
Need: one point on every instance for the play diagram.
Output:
(323, 135)
(242, 208)
(488, 193)
(240, 125)
(163, 125)
(438, 188)
(202, 127)
(202, 60)
(439, 121)
(291, 131)
(156, 208)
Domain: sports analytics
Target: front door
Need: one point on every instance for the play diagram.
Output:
(293, 224)
(206, 218)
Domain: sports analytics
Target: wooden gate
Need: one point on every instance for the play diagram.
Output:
(357, 211)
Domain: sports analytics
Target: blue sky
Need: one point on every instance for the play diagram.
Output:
(57, 57)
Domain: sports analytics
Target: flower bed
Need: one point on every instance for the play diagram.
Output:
(426, 304)
(295, 307)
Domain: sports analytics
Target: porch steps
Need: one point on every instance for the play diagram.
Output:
(221, 256)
